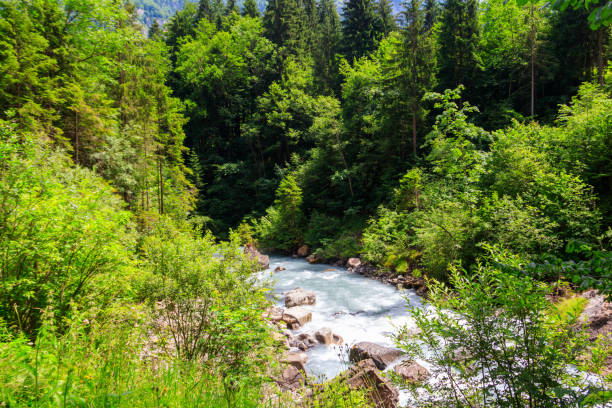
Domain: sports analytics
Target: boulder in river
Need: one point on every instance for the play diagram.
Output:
(296, 317)
(307, 339)
(366, 376)
(381, 355)
(312, 259)
(297, 360)
(279, 269)
(325, 336)
(302, 251)
(262, 260)
(299, 297)
(353, 263)
(411, 371)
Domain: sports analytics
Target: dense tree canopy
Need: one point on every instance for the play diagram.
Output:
(461, 141)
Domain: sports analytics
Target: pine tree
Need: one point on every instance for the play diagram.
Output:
(310, 24)
(249, 8)
(284, 24)
(231, 7)
(204, 10)
(386, 19)
(328, 40)
(360, 28)
(432, 13)
(457, 41)
(417, 61)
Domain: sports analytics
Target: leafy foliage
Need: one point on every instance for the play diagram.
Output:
(494, 344)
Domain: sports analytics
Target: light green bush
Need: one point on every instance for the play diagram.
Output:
(63, 234)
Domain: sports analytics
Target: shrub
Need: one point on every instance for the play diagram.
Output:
(205, 299)
(281, 228)
(61, 231)
(493, 344)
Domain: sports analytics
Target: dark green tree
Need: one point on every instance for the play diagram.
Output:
(416, 62)
(360, 28)
(386, 19)
(284, 24)
(432, 13)
(204, 10)
(457, 44)
(249, 8)
(327, 43)
(231, 7)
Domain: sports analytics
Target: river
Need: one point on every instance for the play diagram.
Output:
(351, 305)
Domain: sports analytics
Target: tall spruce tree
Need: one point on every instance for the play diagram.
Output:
(249, 8)
(204, 10)
(360, 28)
(458, 41)
(284, 24)
(231, 7)
(417, 61)
(327, 43)
(432, 13)
(386, 18)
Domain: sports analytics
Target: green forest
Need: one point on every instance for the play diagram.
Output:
(464, 144)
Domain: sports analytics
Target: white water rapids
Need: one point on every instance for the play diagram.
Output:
(351, 305)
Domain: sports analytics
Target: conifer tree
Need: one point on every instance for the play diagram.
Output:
(417, 61)
(231, 7)
(360, 28)
(386, 19)
(458, 40)
(204, 10)
(432, 13)
(328, 40)
(284, 24)
(249, 8)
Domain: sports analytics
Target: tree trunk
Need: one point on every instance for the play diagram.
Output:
(414, 129)
(601, 34)
(532, 62)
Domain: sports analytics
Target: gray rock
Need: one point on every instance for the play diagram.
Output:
(299, 297)
(381, 355)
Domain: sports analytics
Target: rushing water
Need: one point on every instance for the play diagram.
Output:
(352, 306)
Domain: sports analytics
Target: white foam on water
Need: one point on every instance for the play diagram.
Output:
(352, 306)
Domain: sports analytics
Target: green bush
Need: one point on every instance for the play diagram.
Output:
(282, 226)
(388, 241)
(64, 234)
(492, 341)
(205, 300)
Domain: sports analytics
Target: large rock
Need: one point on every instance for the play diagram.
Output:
(411, 371)
(273, 313)
(296, 317)
(597, 314)
(291, 380)
(325, 336)
(299, 297)
(382, 356)
(302, 251)
(312, 259)
(308, 339)
(353, 263)
(297, 360)
(366, 376)
(262, 260)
